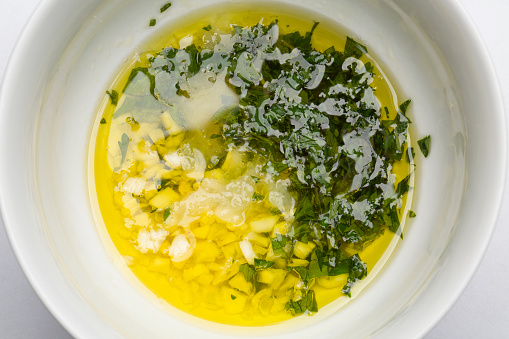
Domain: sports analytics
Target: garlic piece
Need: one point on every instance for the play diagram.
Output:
(182, 246)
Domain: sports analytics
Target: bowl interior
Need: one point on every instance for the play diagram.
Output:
(428, 48)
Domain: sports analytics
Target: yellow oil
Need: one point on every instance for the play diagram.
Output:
(190, 298)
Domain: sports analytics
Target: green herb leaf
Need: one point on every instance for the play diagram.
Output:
(166, 213)
(391, 220)
(257, 196)
(306, 303)
(303, 273)
(113, 97)
(279, 246)
(404, 106)
(341, 267)
(207, 28)
(233, 297)
(424, 145)
(387, 114)
(152, 22)
(403, 186)
(274, 211)
(140, 82)
(163, 184)
(305, 210)
(248, 271)
(357, 271)
(355, 49)
(103, 121)
(412, 214)
(165, 7)
(316, 268)
(262, 264)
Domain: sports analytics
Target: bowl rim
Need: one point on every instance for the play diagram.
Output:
(66, 318)
(480, 47)
(14, 65)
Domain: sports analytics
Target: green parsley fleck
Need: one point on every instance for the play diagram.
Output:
(260, 263)
(152, 22)
(306, 303)
(113, 96)
(257, 196)
(425, 145)
(274, 211)
(165, 7)
(404, 106)
(248, 271)
(166, 213)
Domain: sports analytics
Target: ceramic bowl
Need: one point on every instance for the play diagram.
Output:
(69, 54)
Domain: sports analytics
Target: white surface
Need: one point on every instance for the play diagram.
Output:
(480, 313)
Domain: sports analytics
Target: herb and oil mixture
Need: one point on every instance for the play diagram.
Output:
(253, 170)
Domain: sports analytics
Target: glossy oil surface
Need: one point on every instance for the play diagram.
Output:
(208, 298)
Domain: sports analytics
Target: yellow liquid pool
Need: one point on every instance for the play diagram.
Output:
(201, 285)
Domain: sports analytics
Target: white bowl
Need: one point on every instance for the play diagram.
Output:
(67, 57)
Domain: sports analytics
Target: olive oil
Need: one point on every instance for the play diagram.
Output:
(208, 275)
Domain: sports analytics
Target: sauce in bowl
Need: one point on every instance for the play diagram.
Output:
(254, 166)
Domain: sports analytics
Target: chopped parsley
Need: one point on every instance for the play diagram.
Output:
(306, 303)
(165, 7)
(257, 196)
(152, 22)
(281, 246)
(424, 145)
(113, 96)
(404, 106)
(103, 121)
(166, 213)
(248, 271)
(403, 186)
(260, 263)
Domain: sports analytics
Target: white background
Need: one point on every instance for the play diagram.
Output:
(481, 312)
